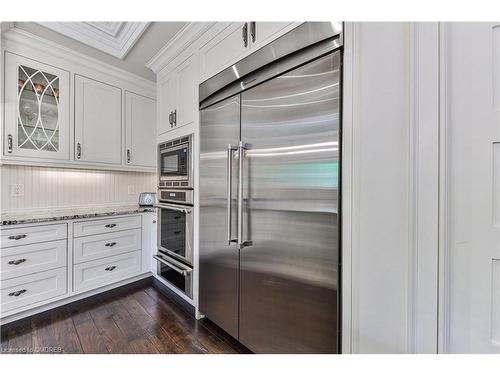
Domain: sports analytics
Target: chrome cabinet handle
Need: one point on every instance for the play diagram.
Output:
(110, 244)
(174, 117)
(78, 150)
(17, 293)
(17, 261)
(128, 156)
(244, 34)
(18, 237)
(10, 143)
(110, 225)
(170, 119)
(183, 272)
(229, 187)
(252, 31)
(110, 268)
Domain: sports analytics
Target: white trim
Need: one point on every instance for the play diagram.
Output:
(423, 160)
(22, 42)
(186, 36)
(115, 41)
(347, 149)
(444, 277)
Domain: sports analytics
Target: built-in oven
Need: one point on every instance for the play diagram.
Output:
(175, 163)
(175, 231)
(175, 273)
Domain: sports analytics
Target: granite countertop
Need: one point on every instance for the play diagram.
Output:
(29, 217)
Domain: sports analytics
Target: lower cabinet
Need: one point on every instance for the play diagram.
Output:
(36, 269)
(24, 260)
(27, 290)
(99, 272)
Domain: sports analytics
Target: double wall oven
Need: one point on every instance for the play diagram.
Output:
(175, 214)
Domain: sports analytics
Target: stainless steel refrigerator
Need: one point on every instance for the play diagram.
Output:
(270, 194)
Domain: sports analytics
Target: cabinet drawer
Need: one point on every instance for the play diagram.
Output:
(105, 245)
(23, 260)
(115, 224)
(29, 235)
(27, 290)
(105, 271)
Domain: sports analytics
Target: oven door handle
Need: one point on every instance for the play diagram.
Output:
(183, 272)
(175, 208)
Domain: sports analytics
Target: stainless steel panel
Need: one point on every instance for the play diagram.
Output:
(289, 274)
(219, 127)
(306, 36)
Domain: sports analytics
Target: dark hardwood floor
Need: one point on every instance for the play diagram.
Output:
(137, 319)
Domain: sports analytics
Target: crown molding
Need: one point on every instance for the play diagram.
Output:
(181, 40)
(113, 38)
(32, 46)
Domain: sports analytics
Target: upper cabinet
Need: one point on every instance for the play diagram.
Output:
(178, 93)
(140, 130)
(37, 109)
(98, 122)
(65, 109)
(235, 40)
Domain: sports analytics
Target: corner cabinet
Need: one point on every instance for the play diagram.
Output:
(37, 113)
(178, 93)
(98, 122)
(140, 130)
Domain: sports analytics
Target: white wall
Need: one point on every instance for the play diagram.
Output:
(390, 184)
(63, 187)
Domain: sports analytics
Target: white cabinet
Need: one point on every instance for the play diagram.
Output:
(27, 290)
(166, 88)
(233, 41)
(36, 109)
(140, 130)
(107, 270)
(222, 50)
(178, 94)
(187, 98)
(261, 33)
(98, 122)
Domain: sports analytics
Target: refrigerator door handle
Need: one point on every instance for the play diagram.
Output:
(229, 186)
(241, 154)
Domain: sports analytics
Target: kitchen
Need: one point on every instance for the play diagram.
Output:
(245, 187)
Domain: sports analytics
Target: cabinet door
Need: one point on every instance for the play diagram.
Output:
(167, 99)
(140, 130)
(187, 103)
(98, 122)
(222, 50)
(36, 109)
(264, 32)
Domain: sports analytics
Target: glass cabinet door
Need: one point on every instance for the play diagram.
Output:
(37, 109)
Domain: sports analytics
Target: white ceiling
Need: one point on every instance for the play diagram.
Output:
(115, 35)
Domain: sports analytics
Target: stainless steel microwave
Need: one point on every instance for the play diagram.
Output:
(175, 163)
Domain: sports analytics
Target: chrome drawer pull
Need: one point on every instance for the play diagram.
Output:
(110, 225)
(18, 293)
(110, 268)
(110, 244)
(16, 262)
(18, 237)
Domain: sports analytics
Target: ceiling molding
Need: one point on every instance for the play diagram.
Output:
(113, 38)
(181, 40)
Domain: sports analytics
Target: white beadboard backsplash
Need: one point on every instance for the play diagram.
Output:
(48, 188)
